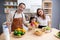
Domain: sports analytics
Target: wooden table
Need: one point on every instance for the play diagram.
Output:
(29, 36)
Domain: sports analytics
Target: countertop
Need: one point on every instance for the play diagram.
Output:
(30, 36)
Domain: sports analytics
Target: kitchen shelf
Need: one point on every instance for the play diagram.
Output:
(47, 1)
(47, 7)
(10, 5)
(48, 11)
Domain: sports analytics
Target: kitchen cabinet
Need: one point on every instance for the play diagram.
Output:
(47, 6)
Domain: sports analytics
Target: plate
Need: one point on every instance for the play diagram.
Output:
(17, 36)
(56, 35)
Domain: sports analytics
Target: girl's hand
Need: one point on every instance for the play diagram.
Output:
(36, 24)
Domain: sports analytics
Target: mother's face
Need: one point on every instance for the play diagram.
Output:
(40, 12)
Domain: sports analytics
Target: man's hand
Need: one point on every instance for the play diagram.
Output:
(8, 23)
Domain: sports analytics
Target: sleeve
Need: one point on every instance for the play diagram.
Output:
(10, 17)
(48, 18)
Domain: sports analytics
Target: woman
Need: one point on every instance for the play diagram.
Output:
(17, 18)
(43, 19)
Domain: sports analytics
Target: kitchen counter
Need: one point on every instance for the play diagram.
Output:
(30, 36)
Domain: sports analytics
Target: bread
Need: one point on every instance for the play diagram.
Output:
(38, 32)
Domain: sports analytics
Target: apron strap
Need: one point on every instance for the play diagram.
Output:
(22, 15)
(15, 13)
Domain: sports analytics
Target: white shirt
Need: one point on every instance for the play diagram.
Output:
(43, 22)
(21, 15)
(11, 14)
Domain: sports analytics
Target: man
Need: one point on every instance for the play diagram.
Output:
(17, 18)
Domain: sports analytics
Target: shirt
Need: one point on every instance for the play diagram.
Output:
(11, 14)
(43, 22)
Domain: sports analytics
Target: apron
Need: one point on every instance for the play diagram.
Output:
(17, 23)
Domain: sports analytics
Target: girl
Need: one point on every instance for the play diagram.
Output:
(33, 23)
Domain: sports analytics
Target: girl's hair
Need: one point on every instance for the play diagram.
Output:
(19, 5)
(31, 19)
(43, 16)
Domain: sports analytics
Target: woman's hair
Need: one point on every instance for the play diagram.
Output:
(43, 16)
(31, 19)
(19, 5)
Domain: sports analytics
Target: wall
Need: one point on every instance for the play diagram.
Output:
(55, 13)
(2, 15)
(59, 14)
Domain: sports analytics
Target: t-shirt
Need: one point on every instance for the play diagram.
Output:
(20, 15)
(43, 22)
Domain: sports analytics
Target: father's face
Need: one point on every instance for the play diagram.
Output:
(21, 7)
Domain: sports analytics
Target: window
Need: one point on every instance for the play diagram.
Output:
(32, 4)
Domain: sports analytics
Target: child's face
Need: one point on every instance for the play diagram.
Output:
(33, 20)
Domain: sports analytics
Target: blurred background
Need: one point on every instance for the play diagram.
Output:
(51, 8)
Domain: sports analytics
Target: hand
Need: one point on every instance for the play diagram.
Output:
(8, 23)
(9, 26)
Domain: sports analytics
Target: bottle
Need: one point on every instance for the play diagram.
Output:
(6, 32)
